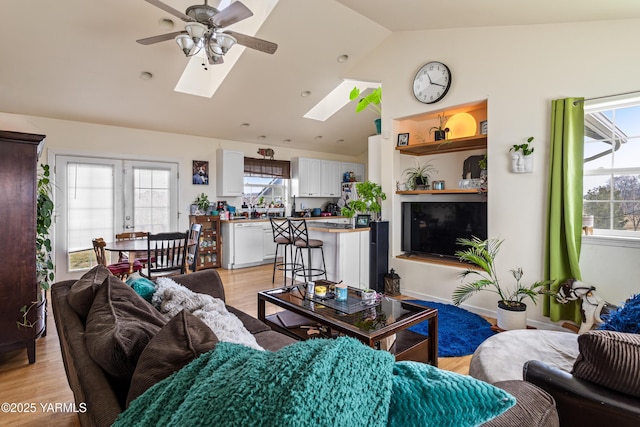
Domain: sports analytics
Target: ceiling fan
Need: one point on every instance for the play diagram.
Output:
(204, 31)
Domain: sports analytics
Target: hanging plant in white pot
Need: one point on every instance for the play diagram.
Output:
(511, 310)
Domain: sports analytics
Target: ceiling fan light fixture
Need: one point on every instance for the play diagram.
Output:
(225, 41)
(196, 30)
(185, 42)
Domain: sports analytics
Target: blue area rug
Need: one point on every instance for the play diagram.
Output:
(460, 332)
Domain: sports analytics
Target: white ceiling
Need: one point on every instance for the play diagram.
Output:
(78, 60)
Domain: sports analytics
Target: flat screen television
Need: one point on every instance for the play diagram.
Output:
(432, 228)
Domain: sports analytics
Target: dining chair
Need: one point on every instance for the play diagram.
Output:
(166, 253)
(119, 269)
(131, 235)
(192, 251)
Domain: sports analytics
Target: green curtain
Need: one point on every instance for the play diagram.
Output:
(564, 215)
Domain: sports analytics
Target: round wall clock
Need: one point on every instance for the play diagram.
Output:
(432, 82)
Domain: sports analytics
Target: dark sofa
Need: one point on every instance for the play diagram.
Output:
(104, 397)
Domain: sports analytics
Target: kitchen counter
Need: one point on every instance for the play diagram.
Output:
(328, 227)
(313, 218)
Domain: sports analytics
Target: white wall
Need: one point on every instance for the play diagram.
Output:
(519, 70)
(111, 141)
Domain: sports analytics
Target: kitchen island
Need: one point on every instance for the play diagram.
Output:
(249, 242)
(346, 252)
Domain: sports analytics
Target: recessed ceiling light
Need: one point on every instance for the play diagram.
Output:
(340, 141)
(343, 58)
(261, 138)
(145, 75)
(245, 125)
(305, 94)
(166, 23)
(286, 141)
(318, 138)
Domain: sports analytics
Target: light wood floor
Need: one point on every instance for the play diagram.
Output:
(45, 382)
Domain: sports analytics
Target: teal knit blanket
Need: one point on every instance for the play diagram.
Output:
(317, 382)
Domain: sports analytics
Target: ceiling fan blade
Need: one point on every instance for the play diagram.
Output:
(169, 9)
(231, 14)
(160, 38)
(253, 42)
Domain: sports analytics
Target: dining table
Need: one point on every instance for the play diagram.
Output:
(137, 248)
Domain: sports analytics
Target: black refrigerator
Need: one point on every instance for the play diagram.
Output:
(378, 254)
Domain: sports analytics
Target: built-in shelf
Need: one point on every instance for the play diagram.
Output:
(447, 146)
(453, 191)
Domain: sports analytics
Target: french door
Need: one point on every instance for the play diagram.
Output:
(99, 197)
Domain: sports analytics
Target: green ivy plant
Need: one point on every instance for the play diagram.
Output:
(44, 264)
(525, 148)
(370, 195)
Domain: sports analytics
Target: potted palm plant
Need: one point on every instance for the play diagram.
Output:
(440, 131)
(418, 176)
(511, 311)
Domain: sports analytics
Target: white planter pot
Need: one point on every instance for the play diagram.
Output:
(511, 317)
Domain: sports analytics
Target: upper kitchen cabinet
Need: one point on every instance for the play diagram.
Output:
(306, 177)
(229, 173)
(331, 179)
(467, 130)
(356, 168)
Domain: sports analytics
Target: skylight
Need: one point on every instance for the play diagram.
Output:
(336, 99)
(197, 81)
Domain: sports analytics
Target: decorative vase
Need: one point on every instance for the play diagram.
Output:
(439, 135)
(510, 317)
(378, 123)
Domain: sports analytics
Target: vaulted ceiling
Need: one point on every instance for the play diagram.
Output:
(79, 60)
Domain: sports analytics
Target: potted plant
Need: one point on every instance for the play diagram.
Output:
(370, 195)
(511, 311)
(373, 101)
(420, 174)
(522, 157)
(44, 263)
(440, 131)
(202, 202)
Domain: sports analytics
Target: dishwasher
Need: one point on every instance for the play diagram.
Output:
(248, 244)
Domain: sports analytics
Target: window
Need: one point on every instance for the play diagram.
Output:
(265, 181)
(611, 187)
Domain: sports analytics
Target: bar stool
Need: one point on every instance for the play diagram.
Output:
(300, 236)
(280, 229)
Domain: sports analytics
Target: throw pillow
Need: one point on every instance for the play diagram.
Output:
(81, 293)
(119, 326)
(625, 318)
(424, 395)
(181, 340)
(170, 298)
(142, 286)
(609, 358)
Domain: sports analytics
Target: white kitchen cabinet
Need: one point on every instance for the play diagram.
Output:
(357, 169)
(306, 174)
(331, 179)
(229, 173)
(269, 246)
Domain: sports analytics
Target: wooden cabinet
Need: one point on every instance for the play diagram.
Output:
(210, 244)
(18, 283)
(229, 173)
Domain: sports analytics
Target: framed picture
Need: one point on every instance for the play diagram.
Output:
(363, 221)
(483, 127)
(403, 139)
(200, 172)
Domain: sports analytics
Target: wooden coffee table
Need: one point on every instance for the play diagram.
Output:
(370, 322)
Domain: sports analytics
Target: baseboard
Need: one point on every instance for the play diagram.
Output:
(486, 313)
